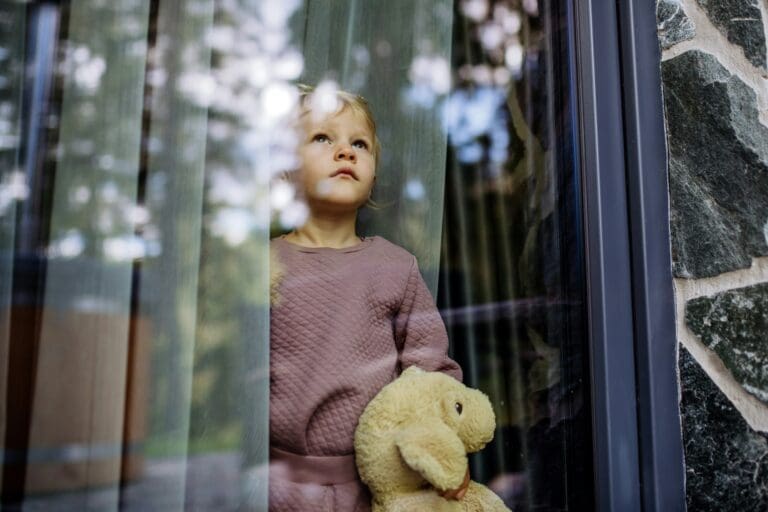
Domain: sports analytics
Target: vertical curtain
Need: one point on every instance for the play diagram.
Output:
(78, 403)
(144, 355)
(381, 50)
(168, 282)
(12, 186)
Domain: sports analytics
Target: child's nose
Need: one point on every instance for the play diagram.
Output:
(346, 152)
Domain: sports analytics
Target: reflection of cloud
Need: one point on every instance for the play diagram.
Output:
(233, 224)
(157, 77)
(70, 245)
(498, 32)
(278, 100)
(221, 38)
(514, 57)
(198, 87)
(414, 190)
(226, 189)
(289, 66)
(281, 194)
(475, 9)
(491, 35)
(276, 13)
(79, 195)
(85, 68)
(109, 192)
(476, 123)
(435, 72)
(106, 161)
(510, 20)
(124, 248)
(137, 215)
(294, 214)
(9, 137)
(531, 7)
(13, 188)
(324, 100)
(430, 78)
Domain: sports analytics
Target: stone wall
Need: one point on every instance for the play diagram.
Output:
(715, 81)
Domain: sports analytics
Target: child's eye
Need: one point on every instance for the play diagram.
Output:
(320, 137)
(360, 144)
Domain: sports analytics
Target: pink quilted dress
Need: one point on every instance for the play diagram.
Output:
(344, 323)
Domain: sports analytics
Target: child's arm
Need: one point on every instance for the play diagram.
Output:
(419, 330)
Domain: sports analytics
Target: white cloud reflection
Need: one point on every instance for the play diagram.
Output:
(531, 7)
(85, 68)
(513, 56)
(124, 248)
(278, 101)
(294, 215)
(198, 87)
(70, 245)
(13, 188)
(415, 190)
(282, 194)
(434, 72)
(234, 225)
(474, 115)
(430, 78)
(475, 10)
(324, 100)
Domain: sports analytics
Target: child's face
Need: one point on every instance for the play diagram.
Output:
(337, 164)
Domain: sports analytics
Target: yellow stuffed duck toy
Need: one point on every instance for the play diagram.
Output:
(412, 442)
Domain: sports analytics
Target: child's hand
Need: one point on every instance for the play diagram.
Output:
(457, 494)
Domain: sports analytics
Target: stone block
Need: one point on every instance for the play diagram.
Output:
(726, 461)
(741, 22)
(674, 25)
(718, 167)
(734, 324)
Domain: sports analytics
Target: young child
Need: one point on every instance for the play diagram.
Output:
(349, 314)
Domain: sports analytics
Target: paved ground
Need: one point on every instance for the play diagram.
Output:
(213, 483)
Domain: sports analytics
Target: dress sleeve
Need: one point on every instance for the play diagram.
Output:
(419, 330)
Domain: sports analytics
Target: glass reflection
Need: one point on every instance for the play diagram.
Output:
(142, 154)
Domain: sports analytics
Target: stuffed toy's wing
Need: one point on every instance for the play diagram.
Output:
(435, 452)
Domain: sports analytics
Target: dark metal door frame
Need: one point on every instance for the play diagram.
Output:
(638, 452)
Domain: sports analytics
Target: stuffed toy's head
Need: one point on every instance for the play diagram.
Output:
(416, 433)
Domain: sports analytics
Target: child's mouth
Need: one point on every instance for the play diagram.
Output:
(344, 172)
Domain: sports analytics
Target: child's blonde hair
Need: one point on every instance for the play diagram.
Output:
(355, 102)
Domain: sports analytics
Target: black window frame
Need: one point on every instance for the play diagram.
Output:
(637, 440)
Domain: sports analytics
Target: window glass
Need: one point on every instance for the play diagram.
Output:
(148, 155)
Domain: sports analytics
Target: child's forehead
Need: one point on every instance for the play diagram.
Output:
(344, 117)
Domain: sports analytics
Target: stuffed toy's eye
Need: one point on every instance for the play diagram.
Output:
(459, 407)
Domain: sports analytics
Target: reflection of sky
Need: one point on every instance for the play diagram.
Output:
(474, 116)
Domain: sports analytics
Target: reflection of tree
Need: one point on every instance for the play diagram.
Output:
(95, 190)
(514, 248)
(173, 193)
(12, 181)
